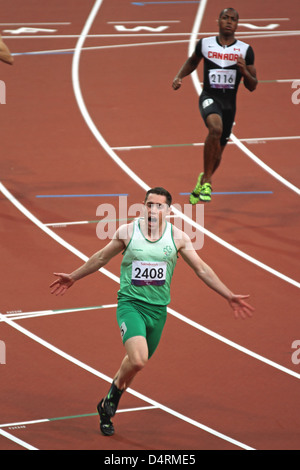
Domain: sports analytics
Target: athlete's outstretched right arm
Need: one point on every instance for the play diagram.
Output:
(96, 262)
(237, 302)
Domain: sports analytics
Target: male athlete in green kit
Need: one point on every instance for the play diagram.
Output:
(150, 247)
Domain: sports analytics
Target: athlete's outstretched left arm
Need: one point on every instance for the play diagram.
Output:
(205, 273)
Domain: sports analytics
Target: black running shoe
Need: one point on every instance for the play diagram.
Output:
(106, 426)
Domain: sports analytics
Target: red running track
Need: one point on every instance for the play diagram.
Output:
(214, 382)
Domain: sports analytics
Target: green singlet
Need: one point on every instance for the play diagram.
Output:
(146, 272)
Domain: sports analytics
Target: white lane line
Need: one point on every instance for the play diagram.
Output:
(100, 36)
(166, 409)
(109, 150)
(143, 22)
(250, 140)
(93, 36)
(32, 24)
(75, 251)
(286, 80)
(264, 19)
(264, 166)
(129, 390)
(139, 408)
(65, 224)
(41, 313)
(49, 232)
(85, 222)
(24, 423)
(197, 84)
(90, 123)
(234, 345)
(16, 440)
(94, 48)
(61, 418)
(266, 35)
(115, 46)
(252, 34)
(269, 139)
(24, 315)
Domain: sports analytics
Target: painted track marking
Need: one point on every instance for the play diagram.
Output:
(90, 123)
(85, 415)
(239, 35)
(129, 390)
(197, 84)
(249, 140)
(16, 440)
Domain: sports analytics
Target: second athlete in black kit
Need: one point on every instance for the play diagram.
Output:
(226, 61)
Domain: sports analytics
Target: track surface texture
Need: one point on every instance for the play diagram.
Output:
(90, 115)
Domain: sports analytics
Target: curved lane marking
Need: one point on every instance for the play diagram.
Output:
(197, 84)
(90, 123)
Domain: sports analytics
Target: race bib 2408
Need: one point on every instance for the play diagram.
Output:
(148, 273)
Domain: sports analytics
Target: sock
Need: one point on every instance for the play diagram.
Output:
(113, 397)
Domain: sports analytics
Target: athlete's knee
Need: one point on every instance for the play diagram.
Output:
(137, 353)
(215, 126)
(138, 361)
(215, 131)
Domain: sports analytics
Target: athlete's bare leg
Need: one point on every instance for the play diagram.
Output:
(134, 361)
(212, 148)
(219, 158)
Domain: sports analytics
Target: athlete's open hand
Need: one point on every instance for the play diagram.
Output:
(241, 309)
(63, 283)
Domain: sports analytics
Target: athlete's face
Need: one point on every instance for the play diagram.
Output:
(228, 22)
(156, 210)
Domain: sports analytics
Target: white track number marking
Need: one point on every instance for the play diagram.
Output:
(136, 29)
(29, 30)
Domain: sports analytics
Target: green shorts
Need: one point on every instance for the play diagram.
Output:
(136, 318)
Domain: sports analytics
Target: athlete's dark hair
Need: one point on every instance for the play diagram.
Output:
(231, 9)
(161, 192)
